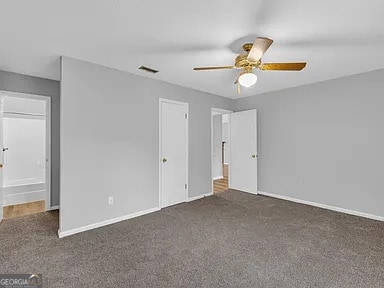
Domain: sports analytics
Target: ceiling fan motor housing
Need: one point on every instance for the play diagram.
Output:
(241, 61)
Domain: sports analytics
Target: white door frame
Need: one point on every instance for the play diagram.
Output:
(215, 111)
(162, 100)
(48, 124)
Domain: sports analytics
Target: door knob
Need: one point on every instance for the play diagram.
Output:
(164, 160)
(254, 155)
(5, 149)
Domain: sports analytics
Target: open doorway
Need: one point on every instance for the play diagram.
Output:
(25, 154)
(220, 127)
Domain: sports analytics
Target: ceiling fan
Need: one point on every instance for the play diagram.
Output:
(252, 59)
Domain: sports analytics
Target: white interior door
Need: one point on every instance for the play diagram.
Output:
(243, 170)
(1, 159)
(173, 152)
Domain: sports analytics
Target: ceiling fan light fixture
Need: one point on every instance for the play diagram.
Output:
(251, 59)
(247, 79)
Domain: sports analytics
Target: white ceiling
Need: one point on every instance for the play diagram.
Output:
(336, 38)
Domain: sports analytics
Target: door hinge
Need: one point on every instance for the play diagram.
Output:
(185, 186)
(186, 116)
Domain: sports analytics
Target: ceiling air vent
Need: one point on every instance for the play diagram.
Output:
(149, 70)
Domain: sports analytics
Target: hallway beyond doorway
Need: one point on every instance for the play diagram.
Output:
(221, 185)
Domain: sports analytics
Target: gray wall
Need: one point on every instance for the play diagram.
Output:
(324, 142)
(110, 137)
(38, 86)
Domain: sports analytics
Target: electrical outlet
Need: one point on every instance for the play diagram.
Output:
(110, 200)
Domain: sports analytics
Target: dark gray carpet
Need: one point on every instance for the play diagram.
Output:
(231, 240)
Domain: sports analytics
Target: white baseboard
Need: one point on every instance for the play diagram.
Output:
(217, 178)
(250, 192)
(244, 191)
(324, 206)
(106, 222)
(199, 197)
(56, 207)
(25, 197)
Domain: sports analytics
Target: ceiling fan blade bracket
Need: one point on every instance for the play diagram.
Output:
(259, 47)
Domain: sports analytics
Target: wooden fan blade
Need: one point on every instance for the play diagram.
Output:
(213, 68)
(260, 46)
(283, 66)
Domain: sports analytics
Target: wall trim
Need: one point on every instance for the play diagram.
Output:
(56, 207)
(324, 206)
(199, 197)
(106, 222)
(249, 192)
(24, 197)
(218, 177)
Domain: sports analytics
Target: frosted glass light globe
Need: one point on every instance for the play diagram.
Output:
(247, 79)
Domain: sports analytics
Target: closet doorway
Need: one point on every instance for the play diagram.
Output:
(25, 154)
